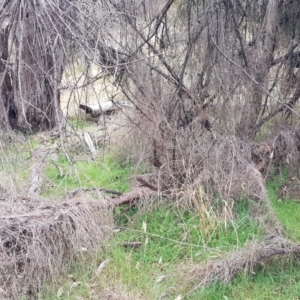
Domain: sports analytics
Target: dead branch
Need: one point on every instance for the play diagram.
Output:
(132, 245)
(253, 254)
(147, 184)
(112, 192)
(134, 195)
(105, 108)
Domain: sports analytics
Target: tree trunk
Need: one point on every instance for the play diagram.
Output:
(30, 95)
(7, 107)
(252, 108)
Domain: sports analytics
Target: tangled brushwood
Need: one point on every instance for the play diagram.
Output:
(38, 246)
(226, 166)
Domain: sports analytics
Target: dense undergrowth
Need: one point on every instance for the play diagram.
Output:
(151, 246)
(167, 239)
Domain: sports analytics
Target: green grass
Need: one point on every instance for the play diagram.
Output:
(103, 173)
(16, 155)
(16, 159)
(278, 280)
(170, 238)
(75, 284)
(287, 210)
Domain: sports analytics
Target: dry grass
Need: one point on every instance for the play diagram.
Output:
(116, 292)
(221, 167)
(227, 168)
(37, 246)
(244, 260)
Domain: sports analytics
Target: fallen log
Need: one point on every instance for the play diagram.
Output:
(105, 108)
(251, 255)
(147, 184)
(112, 192)
(134, 195)
(39, 245)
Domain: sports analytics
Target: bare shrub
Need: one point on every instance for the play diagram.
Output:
(198, 78)
(194, 155)
(286, 146)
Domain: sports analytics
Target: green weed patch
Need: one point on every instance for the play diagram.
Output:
(102, 173)
(287, 210)
(146, 253)
(167, 237)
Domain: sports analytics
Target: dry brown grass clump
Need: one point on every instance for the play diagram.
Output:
(223, 166)
(37, 246)
(228, 169)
